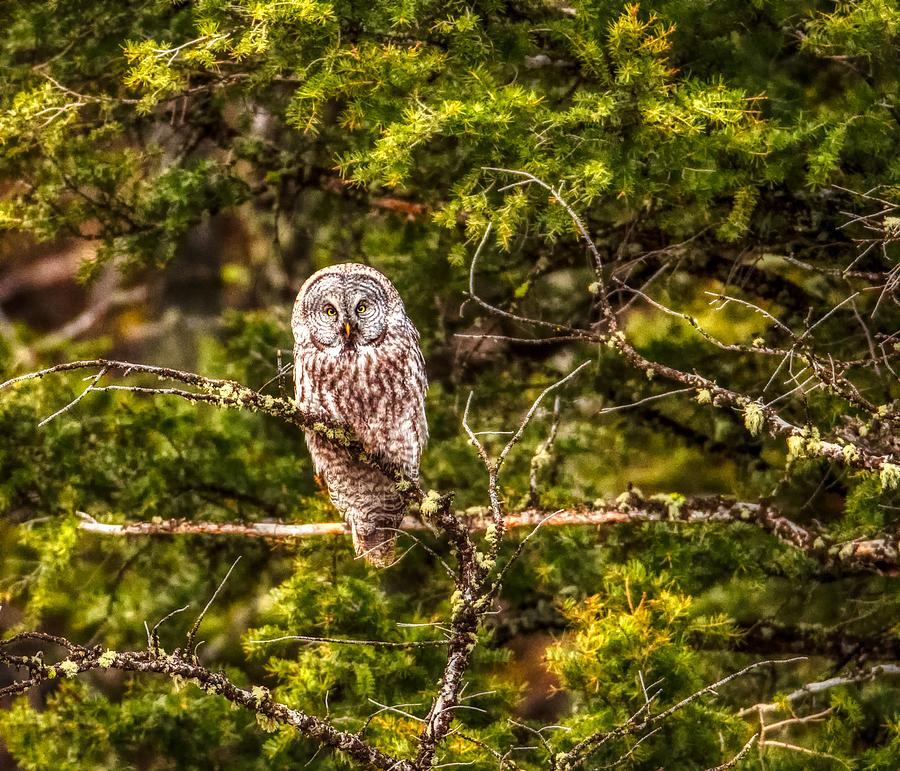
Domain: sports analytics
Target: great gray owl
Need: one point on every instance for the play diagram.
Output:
(357, 361)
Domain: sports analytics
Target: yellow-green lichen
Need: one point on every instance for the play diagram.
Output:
(806, 444)
(624, 500)
(541, 459)
(795, 445)
(890, 476)
(484, 561)
(68, 668)
(431, 503)
(704, 396)
(754, 418)
(268, 724)
(674, 502)
(106, 659)
(850, 453)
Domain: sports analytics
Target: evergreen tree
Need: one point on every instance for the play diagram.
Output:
(654, 248)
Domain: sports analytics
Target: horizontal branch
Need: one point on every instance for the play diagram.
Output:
(872, 555)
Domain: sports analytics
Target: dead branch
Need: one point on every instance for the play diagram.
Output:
(737, 758)
(863, 555)
(813, 689)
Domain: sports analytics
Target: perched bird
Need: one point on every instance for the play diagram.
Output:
(357, 361)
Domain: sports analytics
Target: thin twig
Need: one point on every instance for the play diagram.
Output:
(196, 627)
(345, 641)
(77, 399)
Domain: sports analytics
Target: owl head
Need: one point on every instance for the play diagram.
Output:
(346, 306)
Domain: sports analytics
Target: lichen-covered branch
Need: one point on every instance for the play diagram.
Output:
(227, 394)
(180, 665)
(862, 555)
(758, 415)
(812, 689)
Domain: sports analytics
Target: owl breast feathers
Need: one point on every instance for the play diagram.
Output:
(357, 361)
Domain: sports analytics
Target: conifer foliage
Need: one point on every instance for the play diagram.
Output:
(653, 253)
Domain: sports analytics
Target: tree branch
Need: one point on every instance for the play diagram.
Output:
(863, 555)
(180, 665)
(229, 394)
(642, 720)
(757, 415)
(812, 689)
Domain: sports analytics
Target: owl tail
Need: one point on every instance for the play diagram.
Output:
(373, 544)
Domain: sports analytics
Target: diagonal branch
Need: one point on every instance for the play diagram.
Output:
(757, 414)
(812, 689)
(641, 720)
(256, 700)
(229, 394)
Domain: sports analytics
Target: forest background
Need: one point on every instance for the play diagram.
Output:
(699, 201)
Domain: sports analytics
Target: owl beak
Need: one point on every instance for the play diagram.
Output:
(347, 329)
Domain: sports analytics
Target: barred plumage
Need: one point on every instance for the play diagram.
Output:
(357, 361)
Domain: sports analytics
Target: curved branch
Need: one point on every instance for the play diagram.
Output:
(256, 700)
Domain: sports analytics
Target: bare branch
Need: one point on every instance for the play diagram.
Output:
(638, 724)
(77, 399)
(812, 689)
(196, 627)
(862, 555)
(737, 758)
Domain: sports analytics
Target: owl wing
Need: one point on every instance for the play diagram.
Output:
(409, 432)
(381, 397)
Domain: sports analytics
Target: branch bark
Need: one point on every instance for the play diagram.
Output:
(182, 665)
(228, 394)
(880, 555)
(812, 689)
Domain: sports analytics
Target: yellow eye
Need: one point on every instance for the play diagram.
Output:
(361, 308)
(330, 310)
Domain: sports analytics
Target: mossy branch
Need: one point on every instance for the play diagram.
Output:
(226, 394)
(182, 666)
